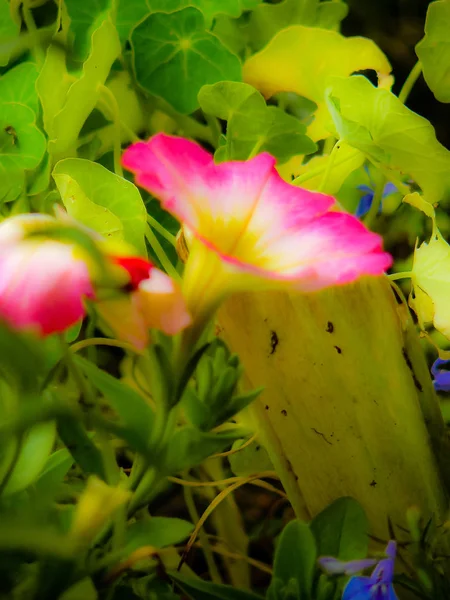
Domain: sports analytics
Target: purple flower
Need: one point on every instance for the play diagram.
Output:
(378, 586)
(441, 376)
(366, 201)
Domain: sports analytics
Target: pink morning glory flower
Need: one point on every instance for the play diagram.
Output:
(150, 299)
(43, 283)
(249, 228)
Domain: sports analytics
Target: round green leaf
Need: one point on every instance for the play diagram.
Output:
(102, 200)
(174, 56)
(434, 50)
(341, 530)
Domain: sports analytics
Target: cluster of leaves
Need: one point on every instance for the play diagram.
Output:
(79, 80)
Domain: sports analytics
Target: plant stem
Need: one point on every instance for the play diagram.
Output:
(192, 509)
(160, 254)
(410, 81)
(112, 102)
(376, 202)
(330, 163)
(161, 230)
(318, 170)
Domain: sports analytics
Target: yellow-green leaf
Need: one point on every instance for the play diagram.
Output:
(303, 59)
(101, 200)
(83, 95)
(399, 140)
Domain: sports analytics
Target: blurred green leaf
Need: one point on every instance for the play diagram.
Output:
(158, 532)
(197, 589)
(434, 50)
(251, 459)
(251, 125)
(294, 562)
(133, 411)
(341, 530)
(400, 141)
(189, 446)
(54, 471)
(34, 452)
(83, 450)
(82, 96)
(101, 200)
(176, 47)
(9, 29)
(85, 18)
(21, 360)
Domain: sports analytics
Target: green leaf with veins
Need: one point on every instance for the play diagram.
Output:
(101, 200)
(131, 12)
(399, 140)
(253, 126)
(22, 147)
(267, 19)
(19, 85)
(176, 47)
(434, 50)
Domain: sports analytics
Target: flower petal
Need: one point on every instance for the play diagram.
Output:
(358, 588)
(123, 317)
(42, 286)
(219, 202)
(161, 303)
(333, 566)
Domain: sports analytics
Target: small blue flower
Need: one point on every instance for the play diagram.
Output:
(376, 587)
(366, 201)
(441, 376)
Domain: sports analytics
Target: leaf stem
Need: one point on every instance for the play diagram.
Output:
(330, 163)
(410, 81)
(117, 149)
(195, 517)
(160, 254)
(376, 201)
(318, 170)
(161, 230)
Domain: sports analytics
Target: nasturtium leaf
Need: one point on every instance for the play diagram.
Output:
(174, 56)
(294, 562)
(267, 19)
(376, 122)
(102, 200)
(303, 59)
(252, 126)
(128, 14)
(33, 455)
(9, 29)
(209, 8)
(430, 274)
(434, 49)
(83, 94)
(341, 530)
(22, 147)
(157, 532)
(198, 589)
(18, 85)
(85, 17)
